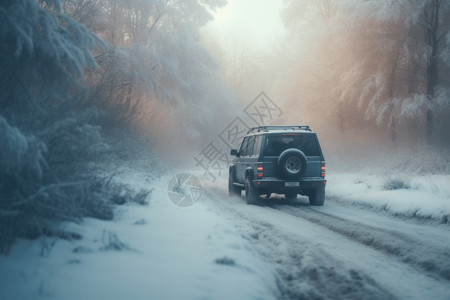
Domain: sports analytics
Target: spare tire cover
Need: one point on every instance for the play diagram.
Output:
(292, 163)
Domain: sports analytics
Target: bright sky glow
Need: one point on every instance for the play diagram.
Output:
(255, 22)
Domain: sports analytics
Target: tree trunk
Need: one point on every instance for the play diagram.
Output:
(392, 83)
(431, 15)
(393, 132)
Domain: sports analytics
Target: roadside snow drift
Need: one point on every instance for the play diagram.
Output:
(410, 197)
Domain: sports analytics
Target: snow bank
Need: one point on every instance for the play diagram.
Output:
(407, 196)
(154, 252)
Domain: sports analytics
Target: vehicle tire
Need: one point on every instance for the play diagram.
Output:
(292, 163)
(232, 189)
(251, 196)
(317, 196)
(290, 196)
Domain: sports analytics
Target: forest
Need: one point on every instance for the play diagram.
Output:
(82, 81)
(385, 63)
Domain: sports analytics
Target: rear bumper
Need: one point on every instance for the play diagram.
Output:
(274, 185)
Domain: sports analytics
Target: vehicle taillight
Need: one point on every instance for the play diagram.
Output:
(259, 170)
(322, 169)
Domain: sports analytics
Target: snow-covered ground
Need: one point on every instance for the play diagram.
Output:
(426, 197)
(166, 252)
(367, 242)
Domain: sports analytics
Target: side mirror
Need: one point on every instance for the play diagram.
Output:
(234, 152)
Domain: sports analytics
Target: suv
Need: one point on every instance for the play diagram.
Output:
(278, 159)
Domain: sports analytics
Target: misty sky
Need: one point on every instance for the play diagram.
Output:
(251, 21)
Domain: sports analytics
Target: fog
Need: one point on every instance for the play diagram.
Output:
(366, 76)
(370, 74)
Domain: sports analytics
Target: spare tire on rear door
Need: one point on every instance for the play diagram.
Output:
(292, 163)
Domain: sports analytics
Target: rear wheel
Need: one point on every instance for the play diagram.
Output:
(232, 189)
(317, 196)
(290, 196)
(251, 196)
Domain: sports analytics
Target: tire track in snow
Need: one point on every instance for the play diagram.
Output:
(363, 267)
(304, 270)
(429, 258)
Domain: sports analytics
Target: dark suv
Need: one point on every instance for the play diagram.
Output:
(279, 159)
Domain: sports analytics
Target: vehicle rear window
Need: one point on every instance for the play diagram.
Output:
(307, 143)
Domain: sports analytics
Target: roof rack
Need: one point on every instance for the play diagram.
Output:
(267, 128)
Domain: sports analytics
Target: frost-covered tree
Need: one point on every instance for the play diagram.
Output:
(433, 17)
(380, 60)
(44, 135)
(155, 54)
(420, 42)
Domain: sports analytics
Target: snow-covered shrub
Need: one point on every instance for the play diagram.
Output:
(20, 154)
(225, 261)
(108, 192)
(395, 184)
(141, 197)
(111, 241)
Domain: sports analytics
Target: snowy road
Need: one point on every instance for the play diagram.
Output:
(222, 248)
(341, 252)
